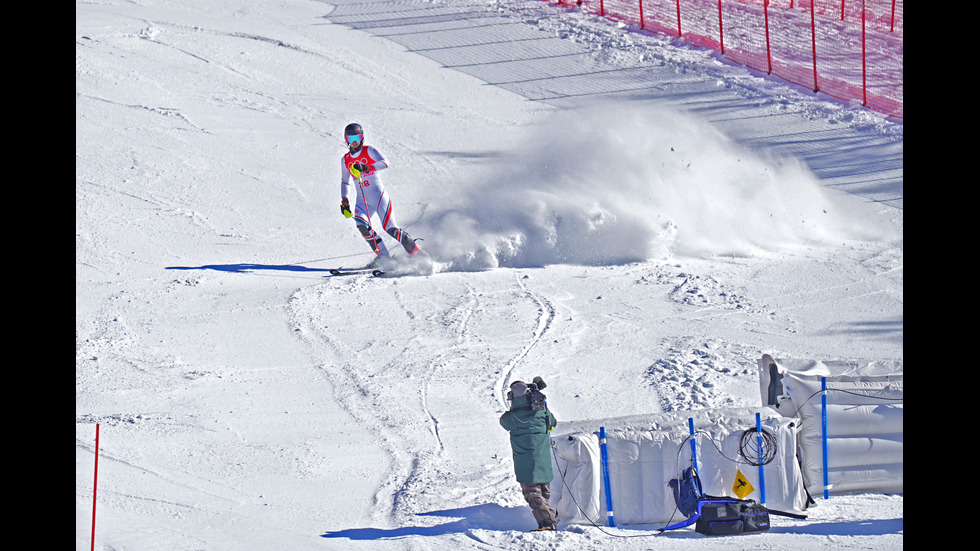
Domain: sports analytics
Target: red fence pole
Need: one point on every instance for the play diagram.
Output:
(678, 18)
(765, 8)
(864, 61)
(95, 483)
(813, 35)
(641, 14)
(721, 30)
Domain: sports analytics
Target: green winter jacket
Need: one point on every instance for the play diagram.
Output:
(530, 441)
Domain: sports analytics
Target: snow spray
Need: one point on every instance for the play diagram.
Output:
(611, 184)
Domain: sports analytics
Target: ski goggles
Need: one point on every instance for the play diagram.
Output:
(354, 138)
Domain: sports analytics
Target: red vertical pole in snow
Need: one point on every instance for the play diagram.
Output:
(721, 29)
(765, 7)
(95, 483)
(678, 17)
(864, 61)
(641, 14)
(813, 36)
(893, 17)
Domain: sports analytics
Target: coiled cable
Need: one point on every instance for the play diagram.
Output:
(757, 447)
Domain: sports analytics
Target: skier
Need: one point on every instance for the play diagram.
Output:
(362, 163)
(529, 423)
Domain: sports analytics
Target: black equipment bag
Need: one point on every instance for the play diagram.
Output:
(726, 516)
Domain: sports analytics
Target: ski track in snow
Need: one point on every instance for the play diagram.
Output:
(442, 342)
(546, 314)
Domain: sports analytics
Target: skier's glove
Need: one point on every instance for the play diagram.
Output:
(345, 207)
(361, 167)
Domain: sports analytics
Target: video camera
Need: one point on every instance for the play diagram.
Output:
(535, 398)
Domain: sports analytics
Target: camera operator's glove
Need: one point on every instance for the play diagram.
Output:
(345, 207)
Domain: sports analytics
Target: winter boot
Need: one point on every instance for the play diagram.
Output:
(406, 240)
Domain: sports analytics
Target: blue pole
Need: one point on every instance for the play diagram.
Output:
(823, 421)
(605, 475)
(694, 444)
(762, 474)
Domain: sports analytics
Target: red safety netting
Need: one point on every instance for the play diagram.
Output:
(849, 49)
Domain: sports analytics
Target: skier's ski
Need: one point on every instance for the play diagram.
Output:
(354, 271)
(349, 271)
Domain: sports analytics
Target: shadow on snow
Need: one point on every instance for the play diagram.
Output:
(490, 516)
(245, 268)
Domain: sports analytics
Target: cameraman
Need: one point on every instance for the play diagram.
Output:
(529, 423)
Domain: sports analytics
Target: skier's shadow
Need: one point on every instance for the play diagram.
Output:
(487, 517)
(245, 268)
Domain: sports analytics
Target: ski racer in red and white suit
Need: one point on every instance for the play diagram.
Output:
(371, 199)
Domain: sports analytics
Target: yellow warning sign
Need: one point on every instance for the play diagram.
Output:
(741, 487)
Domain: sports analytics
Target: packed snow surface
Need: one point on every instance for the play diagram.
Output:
(631, 218)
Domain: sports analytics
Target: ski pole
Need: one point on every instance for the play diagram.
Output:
(356, 174)
(360, 184)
